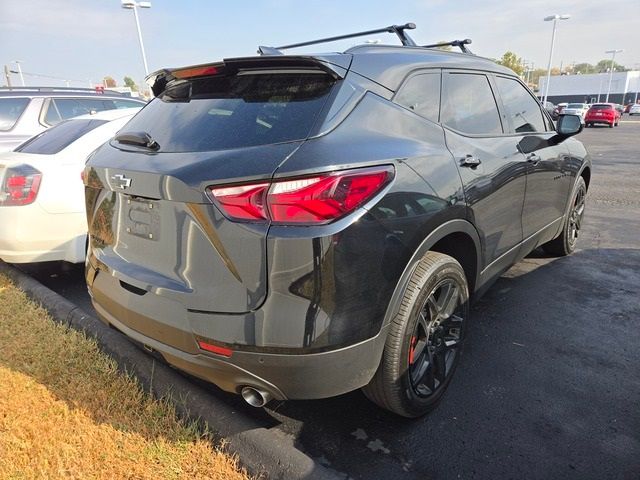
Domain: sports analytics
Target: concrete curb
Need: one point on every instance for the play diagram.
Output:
(264, 452)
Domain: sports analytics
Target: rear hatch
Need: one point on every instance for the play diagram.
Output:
(151, 222)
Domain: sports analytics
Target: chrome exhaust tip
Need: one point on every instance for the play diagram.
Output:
(254, 397)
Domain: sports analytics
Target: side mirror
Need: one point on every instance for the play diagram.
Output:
(569, 125)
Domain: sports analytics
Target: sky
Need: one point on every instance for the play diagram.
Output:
(85, 40)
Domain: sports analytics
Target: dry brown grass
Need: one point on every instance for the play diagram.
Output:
(66, 412)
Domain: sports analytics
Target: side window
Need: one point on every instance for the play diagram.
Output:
(127, 104)
(65, 108)
(523, 110)
(421, 94)
(468, 104)
(10, 111)
(94, 104)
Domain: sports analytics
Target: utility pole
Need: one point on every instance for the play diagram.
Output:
(17, 62)
(7, 76)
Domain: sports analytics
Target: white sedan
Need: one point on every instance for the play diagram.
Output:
(579, 109)
(635, 109)
(42, 215)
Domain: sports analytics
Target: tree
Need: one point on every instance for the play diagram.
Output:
(604, 65)
(584, 68)
(446, 48)
(128, 82)
(109, 82)
(512, 61)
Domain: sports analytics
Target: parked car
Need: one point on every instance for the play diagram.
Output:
(558, 110)
(297, 227)
(549, 107)
(635, 109)
(41, 192)
(599, 113)
(27, 111)
(579, 109)
(627, 107)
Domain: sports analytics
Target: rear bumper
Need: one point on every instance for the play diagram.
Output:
(606, 120)
(30, 234)
(284, 376)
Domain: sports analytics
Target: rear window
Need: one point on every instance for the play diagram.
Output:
(56, 138)
(601, 107)
(575, 105)
(10, 111)
(225, 112)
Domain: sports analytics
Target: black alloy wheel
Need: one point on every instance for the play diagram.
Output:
(436, 339)
(565, 244)
(576, 215)
(425, 339)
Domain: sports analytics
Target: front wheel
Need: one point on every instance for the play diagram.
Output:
(425, 339)
(565, 244)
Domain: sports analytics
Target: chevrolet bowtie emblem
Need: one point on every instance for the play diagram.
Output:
(120, 181)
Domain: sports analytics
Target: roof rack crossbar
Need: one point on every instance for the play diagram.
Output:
(57, 89)
(461, 44)
(399, 30)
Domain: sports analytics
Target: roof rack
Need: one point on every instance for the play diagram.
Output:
(461, 44)
(59, 89)
(399, 30)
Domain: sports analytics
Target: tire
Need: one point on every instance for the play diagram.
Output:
(425, 339)
(565, 244)
(611, 125)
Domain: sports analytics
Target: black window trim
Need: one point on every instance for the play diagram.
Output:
(29, 100)
(488, 76)
(407, 78)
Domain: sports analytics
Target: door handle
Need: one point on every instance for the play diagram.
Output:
(533, 158)
(470, 161)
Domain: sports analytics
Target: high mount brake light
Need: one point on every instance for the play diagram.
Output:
(195, 72)
(303, 201)
(20, 186)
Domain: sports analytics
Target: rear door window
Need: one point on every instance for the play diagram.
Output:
(10, 111)
(468, 104)
(127, 103)
(64, 108)
(56, 138)
(224, 112)
(421, 93)
(523, 111)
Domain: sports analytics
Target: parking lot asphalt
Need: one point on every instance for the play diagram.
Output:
(549, 384)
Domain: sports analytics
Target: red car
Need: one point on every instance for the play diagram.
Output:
(602, 113)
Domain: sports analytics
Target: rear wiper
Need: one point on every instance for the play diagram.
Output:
(139, 139)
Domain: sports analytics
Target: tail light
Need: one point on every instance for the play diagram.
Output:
(310, 201)
(20, 186)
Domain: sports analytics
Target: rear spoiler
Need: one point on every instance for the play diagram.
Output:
(336, 66)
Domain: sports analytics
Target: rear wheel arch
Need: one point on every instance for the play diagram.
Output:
(586, 174)
(454, 238)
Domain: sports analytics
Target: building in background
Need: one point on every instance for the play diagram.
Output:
(593, 87)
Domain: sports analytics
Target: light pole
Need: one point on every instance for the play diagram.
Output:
(613, 56)
(133, 5)
(555, 19)
(17, 62)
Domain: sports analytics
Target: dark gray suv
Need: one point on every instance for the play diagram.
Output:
(300, 226)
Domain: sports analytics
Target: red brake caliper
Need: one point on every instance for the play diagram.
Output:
(412, 349)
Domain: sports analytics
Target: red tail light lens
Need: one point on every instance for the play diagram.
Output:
(312, 200)
(243, 202)
(20, 186)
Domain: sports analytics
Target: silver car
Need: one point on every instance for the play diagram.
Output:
(27, 111)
